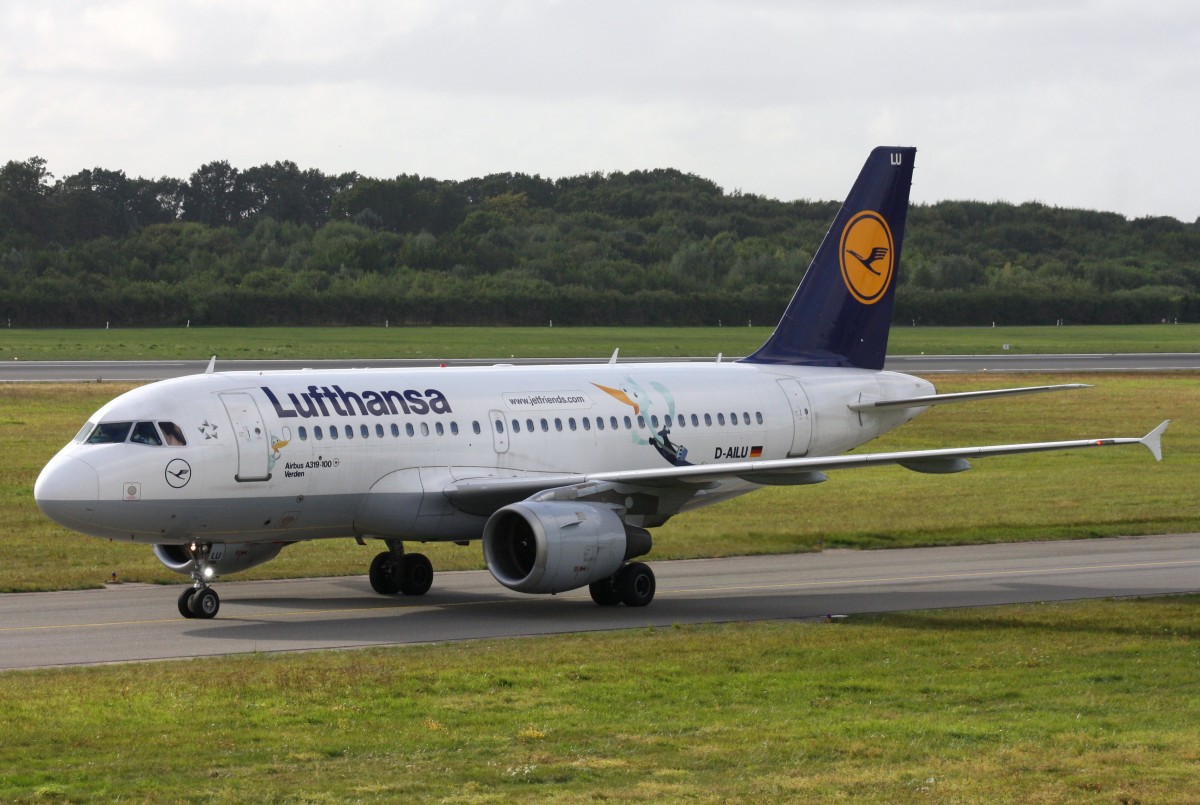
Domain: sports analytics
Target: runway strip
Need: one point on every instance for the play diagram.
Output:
(145, 371)
(125, 623)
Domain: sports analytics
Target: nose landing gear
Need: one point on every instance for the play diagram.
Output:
(200, 600)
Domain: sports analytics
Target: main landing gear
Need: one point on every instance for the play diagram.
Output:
(395, 571)
(200, 600)
(632, 585)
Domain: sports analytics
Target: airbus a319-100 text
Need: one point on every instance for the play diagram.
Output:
(560, 471)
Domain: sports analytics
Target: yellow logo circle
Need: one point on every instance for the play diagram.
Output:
(867, 256)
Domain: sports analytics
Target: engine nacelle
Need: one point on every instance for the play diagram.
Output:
(554, 546)
(222, 558)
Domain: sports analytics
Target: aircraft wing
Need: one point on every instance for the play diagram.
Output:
(961, 396)
(482, 495)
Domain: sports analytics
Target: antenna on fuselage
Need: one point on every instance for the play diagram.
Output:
(212, 364)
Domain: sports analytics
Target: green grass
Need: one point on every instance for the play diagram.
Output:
(1042, 496)
(1082, 702)
(533, 342)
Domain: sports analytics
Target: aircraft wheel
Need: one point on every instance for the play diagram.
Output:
(416, 574)
(383, 574)
(635, 583)
(205, 603)
(185, 600)
(604, 592)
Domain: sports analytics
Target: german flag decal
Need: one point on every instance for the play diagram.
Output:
(756, 451)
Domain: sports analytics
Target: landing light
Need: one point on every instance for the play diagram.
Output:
(209, 573)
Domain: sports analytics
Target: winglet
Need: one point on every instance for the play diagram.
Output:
(1153, 440)
(212, 364)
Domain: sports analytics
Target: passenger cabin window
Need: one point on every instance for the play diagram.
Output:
(145, 433)
(303, 433)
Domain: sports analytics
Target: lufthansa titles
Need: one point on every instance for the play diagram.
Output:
(326, 401)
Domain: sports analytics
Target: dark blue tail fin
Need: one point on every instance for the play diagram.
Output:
(842, 310)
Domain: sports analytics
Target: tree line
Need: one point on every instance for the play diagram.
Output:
(275, 244)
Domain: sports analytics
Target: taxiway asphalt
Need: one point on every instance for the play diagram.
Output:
(128, 623)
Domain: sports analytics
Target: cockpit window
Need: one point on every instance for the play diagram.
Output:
(145, 433)
(110, 432)
(81, 437)
(172, 434)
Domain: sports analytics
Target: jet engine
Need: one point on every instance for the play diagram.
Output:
(222, 558)
(554, 546)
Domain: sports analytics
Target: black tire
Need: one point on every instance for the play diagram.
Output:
(604, 592)
(416, 574)
(384, 578)
(635, 583)
(185, 599)
(205, 603)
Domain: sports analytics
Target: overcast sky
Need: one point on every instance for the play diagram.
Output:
(1073, 103)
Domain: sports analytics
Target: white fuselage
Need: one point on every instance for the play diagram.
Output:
(288, 456)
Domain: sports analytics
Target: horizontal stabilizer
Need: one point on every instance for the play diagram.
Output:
(962, 396)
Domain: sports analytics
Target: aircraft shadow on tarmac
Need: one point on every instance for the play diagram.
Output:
(445, 615)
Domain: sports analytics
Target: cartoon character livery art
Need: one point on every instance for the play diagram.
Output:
(652, 428)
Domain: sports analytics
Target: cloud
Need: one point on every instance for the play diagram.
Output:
(1072, 102)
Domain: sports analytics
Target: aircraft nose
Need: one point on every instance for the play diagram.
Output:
(67, 490)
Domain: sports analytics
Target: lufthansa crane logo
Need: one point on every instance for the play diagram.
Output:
(867, 256)
(178, 473)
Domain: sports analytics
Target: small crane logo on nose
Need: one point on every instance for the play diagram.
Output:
(178, 473)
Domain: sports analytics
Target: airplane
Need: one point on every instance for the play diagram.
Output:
(560, 471)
